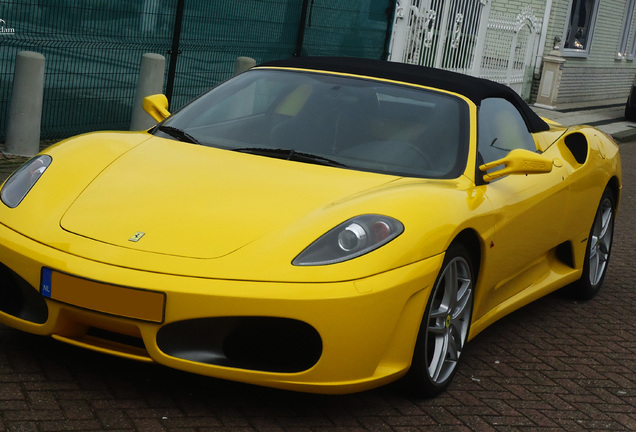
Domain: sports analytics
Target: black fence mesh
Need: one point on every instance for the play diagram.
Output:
(93, 48)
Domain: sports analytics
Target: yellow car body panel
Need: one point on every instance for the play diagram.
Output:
(397, 296)
(213, 233)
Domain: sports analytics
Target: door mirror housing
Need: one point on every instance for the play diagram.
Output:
(518, 161)
(157, 106)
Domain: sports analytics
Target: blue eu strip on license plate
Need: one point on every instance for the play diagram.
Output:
(46, 282)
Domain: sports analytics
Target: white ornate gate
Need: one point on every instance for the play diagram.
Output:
(438, 33)
(511, 50)
(464, 36)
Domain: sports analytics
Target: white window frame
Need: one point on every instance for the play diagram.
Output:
(583, 52)
(626, 46)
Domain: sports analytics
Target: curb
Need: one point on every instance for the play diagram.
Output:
(624, 136)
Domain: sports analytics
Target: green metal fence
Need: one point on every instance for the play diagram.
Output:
(93, 48)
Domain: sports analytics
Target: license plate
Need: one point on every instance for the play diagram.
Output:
(116, 300)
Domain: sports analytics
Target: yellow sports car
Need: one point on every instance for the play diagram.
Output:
(315, 224)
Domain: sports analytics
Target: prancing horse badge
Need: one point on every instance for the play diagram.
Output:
(137, 236)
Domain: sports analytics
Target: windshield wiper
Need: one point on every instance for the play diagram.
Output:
(178, 134)
(292, 155)
(319, 160)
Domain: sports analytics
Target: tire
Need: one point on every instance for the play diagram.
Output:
(445, 326)
(598, 250)
(630, 113)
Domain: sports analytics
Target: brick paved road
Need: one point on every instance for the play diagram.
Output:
(556, 365)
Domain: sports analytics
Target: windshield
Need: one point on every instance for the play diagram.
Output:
(341, 121)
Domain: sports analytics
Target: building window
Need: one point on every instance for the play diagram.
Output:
(626, 46)
(579, 28)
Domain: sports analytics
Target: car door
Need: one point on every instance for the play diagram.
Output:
(529, 210)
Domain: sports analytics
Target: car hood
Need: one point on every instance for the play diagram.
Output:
(173, 198)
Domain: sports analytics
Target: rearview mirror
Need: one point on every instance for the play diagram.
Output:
(518, 161)
(157, 106)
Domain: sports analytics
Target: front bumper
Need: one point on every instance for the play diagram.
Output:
(319, 337)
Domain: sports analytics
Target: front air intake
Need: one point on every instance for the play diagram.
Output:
(255, 343)
(19, 299)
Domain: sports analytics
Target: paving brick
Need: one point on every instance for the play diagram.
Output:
(147, 425)
(191, 422)
(265, 424)
(22, 426)
(7, 406)
(42, 400)
(627, 421)
(374, 424)
(341, 417)
(439, 415)
(30, 415)
(76, 409)
(226, 429)
(70, 425)
(11, 391)
(113, 419)
(538, 417)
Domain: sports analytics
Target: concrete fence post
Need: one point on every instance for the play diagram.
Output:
(550, 80)
(151, 75)
(25, 113)
(241, 64)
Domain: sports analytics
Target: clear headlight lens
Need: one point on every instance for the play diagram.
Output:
(21, 181)
(350, 239)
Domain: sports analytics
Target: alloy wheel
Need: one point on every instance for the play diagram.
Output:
(448, 319)
(601, 241)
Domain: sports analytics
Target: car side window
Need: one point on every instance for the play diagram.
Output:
(501, 129)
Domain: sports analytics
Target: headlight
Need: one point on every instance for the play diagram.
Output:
(21, 181)
(350, 239)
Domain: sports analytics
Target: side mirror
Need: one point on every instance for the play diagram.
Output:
(518, 161)
(157, 106)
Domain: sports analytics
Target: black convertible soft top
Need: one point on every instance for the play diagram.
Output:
(476, 89)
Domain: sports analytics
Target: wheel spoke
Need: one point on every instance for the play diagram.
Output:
(450, 296)
(454, 346)
(595, 266)
(441, 312)
(593, 243)
(439, 357)
(593, 247)
(606, 217)
(437, 329)
(464, 296)
(448, 319)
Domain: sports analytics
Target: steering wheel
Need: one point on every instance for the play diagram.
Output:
(391, 153)
(425, 158)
